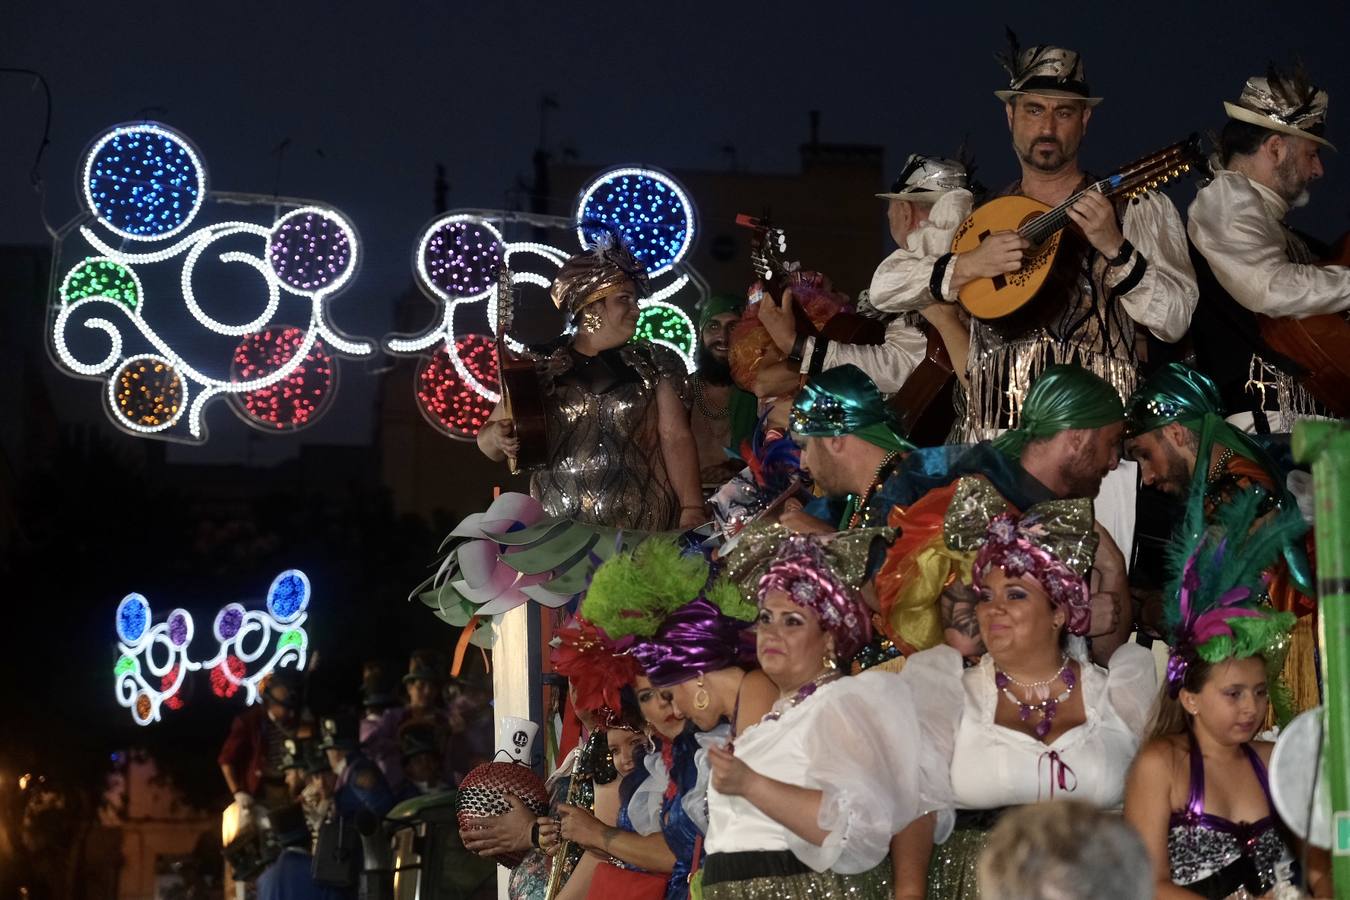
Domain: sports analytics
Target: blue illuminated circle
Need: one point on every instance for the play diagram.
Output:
(648, 208)
(144, 182)
(133, 616)
(289, 595)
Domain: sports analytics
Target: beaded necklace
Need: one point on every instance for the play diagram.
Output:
(1043, 703)
(701, 401)
(873, 486)
(783, 704)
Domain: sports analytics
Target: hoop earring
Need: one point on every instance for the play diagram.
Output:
(701, 699)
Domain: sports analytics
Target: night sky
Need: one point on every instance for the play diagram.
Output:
(372, 95)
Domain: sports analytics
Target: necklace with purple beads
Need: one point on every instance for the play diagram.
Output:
(1042, 703)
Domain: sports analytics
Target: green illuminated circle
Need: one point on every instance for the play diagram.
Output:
(670, 325)
(102, 278)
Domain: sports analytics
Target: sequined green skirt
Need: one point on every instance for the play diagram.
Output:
(797, 882)
(953, 866)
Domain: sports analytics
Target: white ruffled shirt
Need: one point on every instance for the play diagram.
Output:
(644, 807)
(1236, 224)
(1163, 300)
(987, 766)
(855, 741)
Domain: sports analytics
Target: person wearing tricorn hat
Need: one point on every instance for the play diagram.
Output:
(360, 784)
(1135, 275)
(250, 759)
(1249, 261)
(620, 451)
(924, 207)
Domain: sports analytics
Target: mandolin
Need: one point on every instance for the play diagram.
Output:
(1320, 344)
(1021, 301)
(522, 399)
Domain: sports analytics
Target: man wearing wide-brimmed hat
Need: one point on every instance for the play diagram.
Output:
(1249, 260)
(1137, 274)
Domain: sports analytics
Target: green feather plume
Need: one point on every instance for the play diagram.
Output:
(632, 593)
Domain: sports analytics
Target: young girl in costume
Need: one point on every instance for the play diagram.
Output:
(1198, 792)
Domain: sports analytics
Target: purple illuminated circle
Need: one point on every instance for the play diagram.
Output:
(228, 622)
(311, 250)
(460, 258)
(178, 629)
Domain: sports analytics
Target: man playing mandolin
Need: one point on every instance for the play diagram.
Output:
(1250, 261)
(1135, 271)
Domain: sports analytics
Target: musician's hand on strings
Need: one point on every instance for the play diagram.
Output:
(507, 833)
(778, 320)
(1000, 253)
(580, 826)
(1096, 218)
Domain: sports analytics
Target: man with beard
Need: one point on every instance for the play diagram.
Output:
(1137, 273)
(721, 415)
(1175, 420)
(1249, 261)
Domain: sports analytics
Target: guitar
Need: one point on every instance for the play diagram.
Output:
(522, 400)
(1020, 301)
(924, 402)
(1320, 344)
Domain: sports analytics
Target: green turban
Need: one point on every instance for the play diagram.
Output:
(1063, 398)
(842, 401)
(716, 305)
(1180, 394)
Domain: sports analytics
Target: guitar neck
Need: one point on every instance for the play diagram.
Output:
(1130, 181)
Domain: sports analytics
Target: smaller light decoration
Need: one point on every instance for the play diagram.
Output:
(100, 277)
(144, 182)
(297, 399)
(312, 250)
(138, 643)
(275, 635)
(458, 257)
(648, 208)
(448, 402)
(246, 636)
(147, 394)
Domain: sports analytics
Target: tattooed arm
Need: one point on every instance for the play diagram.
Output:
(646, 851)
(960, 628)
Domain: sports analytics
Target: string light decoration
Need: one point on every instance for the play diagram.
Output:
(449, 403)
(275, 635)
(456, 259)
(159, 649)
(297, 400)
(246, 636)
(145, 183)
(647, 207)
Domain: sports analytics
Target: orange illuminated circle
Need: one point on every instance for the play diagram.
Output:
(147, 393)
(143, 706)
